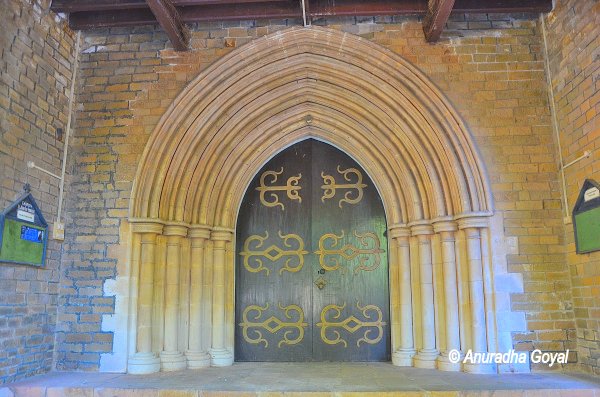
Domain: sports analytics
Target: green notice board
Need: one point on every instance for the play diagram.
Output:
(23, 232)
(22, 242)
(588, 230)
(586, 218)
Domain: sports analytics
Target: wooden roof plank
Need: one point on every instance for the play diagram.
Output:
(171, 22)
(222, 10)
(436, 17)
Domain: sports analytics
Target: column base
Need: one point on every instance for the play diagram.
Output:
(143, 363)
(221, 358)
(172, 361)
(444, 364)
(403, 357)
(426, 358)
(479, 368)
(197, 359)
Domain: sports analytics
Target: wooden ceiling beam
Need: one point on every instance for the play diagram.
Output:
(167, 16)
(109, 19)
(222, 10)
(502, 6)
(107, 5)
(436, 17)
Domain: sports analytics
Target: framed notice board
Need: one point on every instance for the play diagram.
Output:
(23, 232)
(586, 218)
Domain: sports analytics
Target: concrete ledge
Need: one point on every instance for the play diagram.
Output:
(81, 392)
(305, 379)
(111, 392)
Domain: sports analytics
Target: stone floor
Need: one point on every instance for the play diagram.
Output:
(314, 379)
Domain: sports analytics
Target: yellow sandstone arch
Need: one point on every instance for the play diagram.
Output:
(251, 104)
(362, 98)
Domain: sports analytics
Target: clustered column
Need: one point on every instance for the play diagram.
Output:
(462, 292)
(446, 230)
(156, 322)
(402, 300)
(144, 360)
(220, 355)
(197, 355)
(206, 344)
(428, 352)
(172, 359)
(472, 232)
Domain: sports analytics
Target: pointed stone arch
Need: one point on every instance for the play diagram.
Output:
(350, 87)
(277, 90)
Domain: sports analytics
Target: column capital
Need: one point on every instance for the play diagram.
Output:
(199, 231)
(221, 234)
(153, 226)
(399, 231)
(474, 222)
(444, 224)
(176, 229)
(421, 228)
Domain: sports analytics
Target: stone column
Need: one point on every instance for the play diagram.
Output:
(144, 361)
(446, 230)
(207, 288)
(427, 355)
(471, 227)
(488, 290)
(220, 355)
(171, 358)
(134, 284)
(402, 313)
(197, 357)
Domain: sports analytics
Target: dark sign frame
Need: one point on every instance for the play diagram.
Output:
(15, 213)
(581, 207)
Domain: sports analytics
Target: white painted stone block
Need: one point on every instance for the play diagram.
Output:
(511, 282)
(116, 323)
(6, 392)
(511, 321)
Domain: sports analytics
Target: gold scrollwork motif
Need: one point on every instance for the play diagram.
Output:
(291, 188)
(273, 253)
(273, 325)
(330, 186)
(352, 324)
(327, 253)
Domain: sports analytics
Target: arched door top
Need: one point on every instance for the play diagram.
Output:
(301, 83)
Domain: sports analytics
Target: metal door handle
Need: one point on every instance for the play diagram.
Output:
(320, 283)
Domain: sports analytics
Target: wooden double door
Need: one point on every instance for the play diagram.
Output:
(311, 261)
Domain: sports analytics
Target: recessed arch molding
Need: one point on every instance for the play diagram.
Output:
(280, 89)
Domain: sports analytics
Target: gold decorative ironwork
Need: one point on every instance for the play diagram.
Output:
(330, 186)
(273, 325)
(327, 252)
(273, 253)
(352, 324)
(291, 188)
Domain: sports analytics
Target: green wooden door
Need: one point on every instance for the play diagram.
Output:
(311, 261)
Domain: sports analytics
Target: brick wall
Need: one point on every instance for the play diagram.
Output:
(491, 68)
(495, 76)
(573, 37)
(35, 74)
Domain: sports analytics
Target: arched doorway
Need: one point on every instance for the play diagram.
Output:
(240, 112)
(311, 261)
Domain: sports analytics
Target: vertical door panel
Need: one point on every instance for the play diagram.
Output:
(351, 311)
(273, 232)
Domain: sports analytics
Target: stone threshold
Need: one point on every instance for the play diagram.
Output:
(304, 379)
